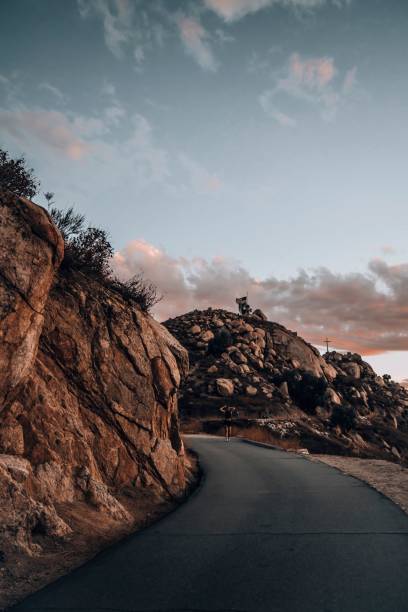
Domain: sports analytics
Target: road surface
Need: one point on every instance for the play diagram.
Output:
(267, 531)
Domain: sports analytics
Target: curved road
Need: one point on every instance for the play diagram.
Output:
(267, 531)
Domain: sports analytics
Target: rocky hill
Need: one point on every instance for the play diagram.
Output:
(286, 392)
(89, 434)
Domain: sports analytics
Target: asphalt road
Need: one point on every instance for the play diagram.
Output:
(267, 530)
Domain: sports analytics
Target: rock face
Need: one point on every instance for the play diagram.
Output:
(335, 403)
(88, 388)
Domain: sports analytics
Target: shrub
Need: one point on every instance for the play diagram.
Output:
(306, 390)
(68, 221)
(137, 289)
(16, 177)
(219, 343)
(90, 251)
(344, 416)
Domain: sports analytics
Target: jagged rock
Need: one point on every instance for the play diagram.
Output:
(332, 397)
(283, 388)
(88, 387)
(259, 314)
(225, 387)
(31, 250)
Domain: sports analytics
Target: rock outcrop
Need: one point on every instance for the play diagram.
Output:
(88, 389)
(330, 403)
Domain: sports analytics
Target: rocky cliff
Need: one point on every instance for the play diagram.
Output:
(88, 392)
(285, 390)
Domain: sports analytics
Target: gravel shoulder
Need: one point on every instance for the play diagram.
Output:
(388, 478)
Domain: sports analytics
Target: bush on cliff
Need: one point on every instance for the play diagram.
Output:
(16, 177)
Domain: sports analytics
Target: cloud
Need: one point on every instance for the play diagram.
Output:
(196, 42)
(57, 93)
(202, 181)
(266, 102)
(312, 80)
(117, 18)
(232, 10)
(52, 129)
(364, 312)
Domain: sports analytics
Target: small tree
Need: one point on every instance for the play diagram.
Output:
(16, 177)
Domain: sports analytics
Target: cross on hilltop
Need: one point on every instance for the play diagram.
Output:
(327, 341)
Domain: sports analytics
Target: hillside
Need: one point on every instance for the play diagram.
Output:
(286, 392)
(89, 435)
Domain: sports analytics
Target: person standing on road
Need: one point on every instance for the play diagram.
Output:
(229, 413)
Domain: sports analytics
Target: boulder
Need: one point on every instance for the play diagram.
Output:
(332, 397)
(31, 251)
(225, 387)
(250, 390)
(195, 330)
(352, 369)
(259, 314)
(207, 336)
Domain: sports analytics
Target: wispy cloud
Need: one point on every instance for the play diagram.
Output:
(196, 41)
(232, 10)
(314, 80)
(54, 91)
(117, 18)
(365, 312)
(202, 180)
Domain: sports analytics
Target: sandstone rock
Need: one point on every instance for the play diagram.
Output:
(250, 390)
(332, 397)
(207, 336)
(283, 388)
(88, 387)
(32, 249)
(396, 452)
(259, 314)
(212, 369)
(196, 329)
(352, 369)
(225, 387)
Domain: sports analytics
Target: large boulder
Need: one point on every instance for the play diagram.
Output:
(225, 387)
(31, 250)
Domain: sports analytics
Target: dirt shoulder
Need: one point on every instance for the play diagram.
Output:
(388, 478)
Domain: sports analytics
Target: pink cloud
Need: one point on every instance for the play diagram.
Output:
(196, 42)
(313, 73)
(367, 313)
(50, 128)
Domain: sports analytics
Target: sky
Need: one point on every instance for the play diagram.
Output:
(229, 147)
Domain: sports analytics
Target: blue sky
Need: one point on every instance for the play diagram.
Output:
(229, 146)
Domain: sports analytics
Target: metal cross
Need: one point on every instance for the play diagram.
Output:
(327, 341)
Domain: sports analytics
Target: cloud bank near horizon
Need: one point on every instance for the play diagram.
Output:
(362, 312)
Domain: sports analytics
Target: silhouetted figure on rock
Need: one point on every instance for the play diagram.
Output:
(243, 306)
